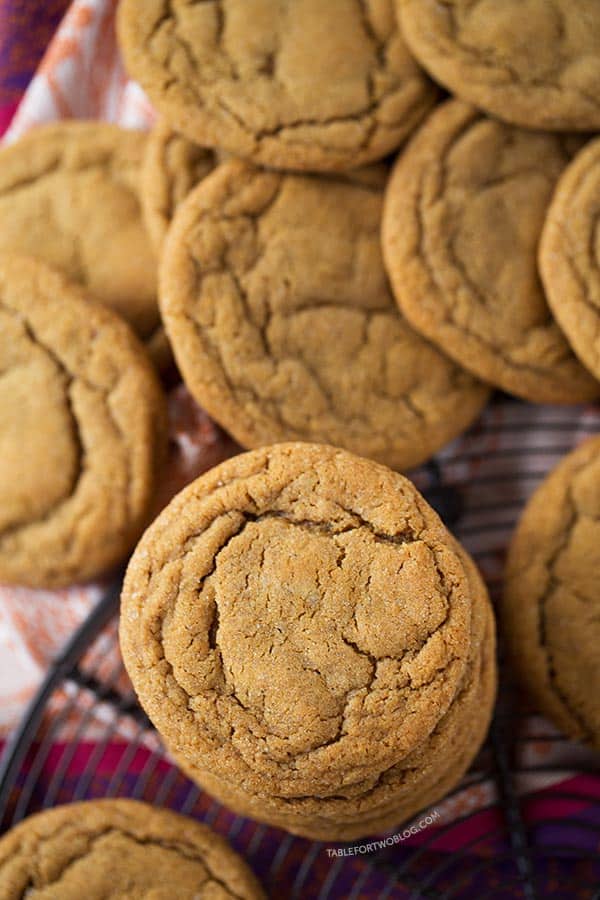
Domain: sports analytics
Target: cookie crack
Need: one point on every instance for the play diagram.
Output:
(553, 584)
(80, 456)
(71, 378)
(378, 46)
(570, 246)
(495, 349)
(187, 851)
(495, 65)
(403, 536)
(240, 391)
(365, 115)
(106, 162)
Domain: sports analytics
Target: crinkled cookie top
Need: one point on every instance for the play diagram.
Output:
(463, 216)
(83, 430)
(69, 196)
(278, 308)
(552, 602)
(296, 619)
(535, 63)
(119, 850)
(301, 85)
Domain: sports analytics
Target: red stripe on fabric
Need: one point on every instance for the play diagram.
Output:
(6, 114)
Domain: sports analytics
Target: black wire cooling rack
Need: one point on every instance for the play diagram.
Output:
(525, 822)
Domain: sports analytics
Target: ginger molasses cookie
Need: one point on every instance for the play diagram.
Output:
(420, 779)
(103, 849)
(551, 612)
(535, 63)
(570, 256)
(297, 620)
(172, 166)
(83, 430)
(303, 85)
(69, 196)
(277, 305)
(463, 215)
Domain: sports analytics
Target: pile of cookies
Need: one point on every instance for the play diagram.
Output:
(316, 649)
(314, 646)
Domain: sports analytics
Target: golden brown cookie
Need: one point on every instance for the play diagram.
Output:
(297, 621)
(172, 166)
(104, 849)
(551, 612)
(463, 214)
(304, 85)
(277, 305)
(83, 430)
(570, 256)
(535, 63)
(69, 196)
(384, 800)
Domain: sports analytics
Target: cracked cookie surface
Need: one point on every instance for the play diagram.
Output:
(303, 85)
(83, 430)
(120, 850)
(535, 63)
(570, 256)
(296, 620)
(69, 196)
(551, 611)
(172, 166)
(394, 795)
(277, 305)
(463, 215)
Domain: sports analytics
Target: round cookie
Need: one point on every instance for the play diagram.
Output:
(570, 256)
(535, 63)
(551, 610)
(172, 167)
(83, 430)
(69, 196)
(277, 305)
(463, 215)
(297, 620)
(305, 85)
(103, 849)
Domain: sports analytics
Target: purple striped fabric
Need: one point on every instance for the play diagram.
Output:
(26, 27)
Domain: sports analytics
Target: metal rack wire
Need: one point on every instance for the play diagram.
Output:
(509, 845)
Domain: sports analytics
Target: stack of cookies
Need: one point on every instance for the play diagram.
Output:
(314, 646)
